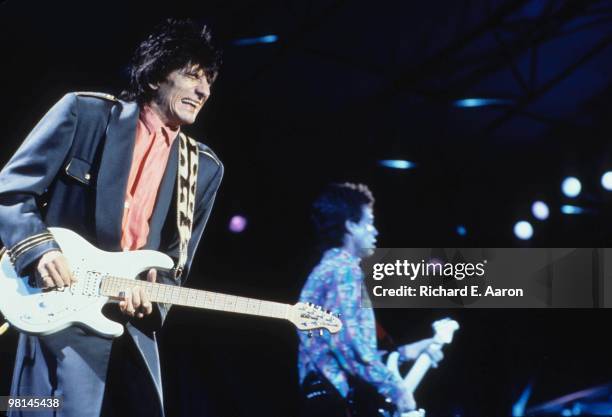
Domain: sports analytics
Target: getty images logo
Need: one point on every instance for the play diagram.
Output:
(431, 268)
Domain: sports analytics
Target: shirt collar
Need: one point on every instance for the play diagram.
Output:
(341, 253)
(154, 124)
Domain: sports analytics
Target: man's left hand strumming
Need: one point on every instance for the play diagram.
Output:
(136, 302)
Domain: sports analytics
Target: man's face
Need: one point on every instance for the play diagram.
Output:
(181, 96)
(364, 233)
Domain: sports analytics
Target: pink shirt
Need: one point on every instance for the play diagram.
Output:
(151, 150)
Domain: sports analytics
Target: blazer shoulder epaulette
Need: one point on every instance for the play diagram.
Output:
(206, 151)
(103, 96)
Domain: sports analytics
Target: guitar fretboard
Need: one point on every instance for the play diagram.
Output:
(189, 297)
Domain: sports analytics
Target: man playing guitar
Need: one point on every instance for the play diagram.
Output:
(330, 366)
(110, 169)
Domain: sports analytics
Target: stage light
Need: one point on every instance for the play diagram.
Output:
(255, 41)
(523, 230)
(571, 187)
(461, 230)
(237, 224)
(480, 102)
(518, 409)
(396, 163)
(540, 210)
(606, 180)
(569, 209)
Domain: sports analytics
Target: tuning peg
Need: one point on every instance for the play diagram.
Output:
(338, 315)
(310, 333)
(4, 328)
(320, 332)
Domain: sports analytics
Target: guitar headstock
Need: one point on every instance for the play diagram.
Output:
(307, 316)
(444, 330)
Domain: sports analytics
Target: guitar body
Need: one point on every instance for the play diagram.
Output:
(365, 401)
(38, 312)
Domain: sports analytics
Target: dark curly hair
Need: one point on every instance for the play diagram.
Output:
(174, 44)
(334, 206)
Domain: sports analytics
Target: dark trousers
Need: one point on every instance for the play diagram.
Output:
(321, 399)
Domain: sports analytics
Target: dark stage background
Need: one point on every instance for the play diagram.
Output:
(346, 84)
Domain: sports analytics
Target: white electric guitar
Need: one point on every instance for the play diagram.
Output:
(103, 277)
(443, 334)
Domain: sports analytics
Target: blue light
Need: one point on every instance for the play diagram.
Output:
(540, 210)
(568, 209)
(518, 409)
(397, 164)
(571, 187)
(606, 180)
(461, 230)
(480, 102)
(255, 41)
(523, 230)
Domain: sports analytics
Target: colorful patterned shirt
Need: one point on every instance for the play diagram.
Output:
(335, 284)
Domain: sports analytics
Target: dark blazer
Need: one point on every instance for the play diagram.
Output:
(72, 171)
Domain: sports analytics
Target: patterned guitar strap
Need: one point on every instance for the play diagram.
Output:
(186, 178)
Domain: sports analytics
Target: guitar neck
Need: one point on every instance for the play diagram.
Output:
(417, 372)
(189, 297)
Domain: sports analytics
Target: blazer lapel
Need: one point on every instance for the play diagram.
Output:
(164, 199)
(113, 174)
